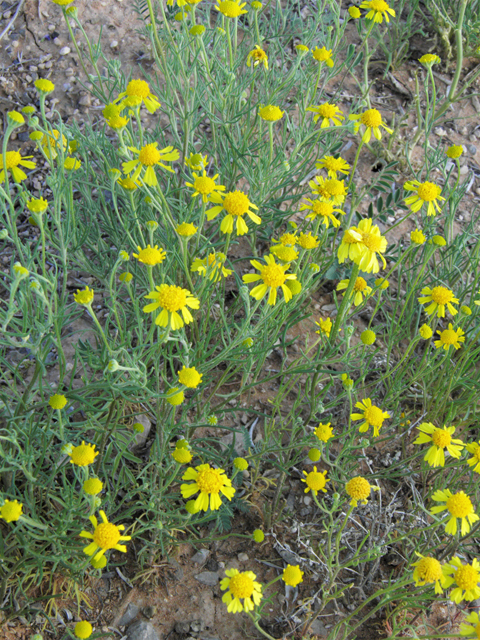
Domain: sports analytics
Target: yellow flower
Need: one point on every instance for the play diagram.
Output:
(314, 454)
(236, 204)
(129, 184)
(474, 449)
(105, 536)
(83, 454)
(358, 489)
(37, 205)
(325, 326)
(372, 243)
(330, 114)
(84, 296)
(50, 142)
(138, 91)
(186, 229)
(205, 186)
(382, 283)
(360, 288)
(197, 30)
(354, 12)
(449, 337)
(292, 575)
(148, 157)
(241, 464)
(417, 237)
(439, 298)
(302, 48)
(441, 439)
(428, 59)
(329, 190)
(315, 481)
(324, 432)
(210, 483)
(117, 122)
(346, 381)
(371, 119)
(323, 55)
(454, 151)
(11, 510)
(150, 255)
(15, 118)
(14, 161)
(257, 56)
(466, 578)
(428, 570)
(57, 401)
(171, 299)
(189, 377)
(182, 455)
(307, 241)
(212, 266)
(231, 8)
(322, 209)
(99, 564)
(378, 9)
(469, 630)
(284, 253)
(333, 165)
(368, 337)
(425, 192)
(83, 629)
(92, 486)
(371, 414)
(350, 246)
(458, 505)
(44, 86)
(72, 164)
(196, 161)
(271, 113)
(273, 276)
(241, 586)
(258, 536)
(287, 239)
(425, 331)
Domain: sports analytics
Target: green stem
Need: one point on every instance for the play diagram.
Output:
(230, 50)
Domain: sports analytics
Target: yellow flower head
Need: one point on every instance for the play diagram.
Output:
(322, 209)
(346, 381)
(150, 255)
(368, 337)
(333, 165)
(37, 205)
(258, 536)
(83, 454)
(212, 266)
(186, 229)
(438, 298)
(417, 237)
(382, 283)
(11, 510)
(372, 415)
(241, 464)
(428, 571)
(209, 482)
(271, 113)
(324, 432)
(473, 629)
(189, 377)
(360, 289)
(458, 505)
(241, 586)
(15, 118)
(315, 481)
(205, 186)
(441, 439)
(377, 10)
(329, 190)
(449, 337)
(44, 86)
(92, 486)
(257, 56)
(57, 401)
(302, 48)
(273, 275)
(196, 162)
(307, 241)
(138, 91)
(358, 489)
(171, 299)
(84, 296)
(330, 114)
(105, 536)
(474, 461)
(231, 8)
(148, 157)
(82, 629)
(454, 151)
(292, 575)
(428, 59)
(354, 12)
(325, 326)
(370, 246)
(72, 164)
(128, 184)
(50, 142)
(371, 119)
(237, 205)
(425, 331)
(323, 55)
(465, 577)
(284, 253)
(424, 193)
(14, 161)
(182, 455)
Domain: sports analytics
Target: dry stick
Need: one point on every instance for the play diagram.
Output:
(10, 24)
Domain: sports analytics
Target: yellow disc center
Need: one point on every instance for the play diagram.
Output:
(374, 416)
(209, 481)
(172, 298)
(459, 505)
(441, 295)
(360, 284)
(149, 155)
(273, 275)
(106, 535)
(204, 185)
(236, 203)
(466, 577)
(427, 191)
(372, 117)
(441, 438)
(241, 586)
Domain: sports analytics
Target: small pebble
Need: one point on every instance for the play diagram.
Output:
(113, 44)
(242, 557)
(57, 42)
(64, 51)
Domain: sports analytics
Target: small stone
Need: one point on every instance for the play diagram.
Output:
(439, 131)
(210, 578)
(307, 500)
(149, 611)
(201, 556)
(113, 44)
(464, 170)
(196, 626)
(69, 72)
(182, 627)
(129, 615)
(242, 557)
(64, 51)
(142, 631)
(472, 149)
(48, 64)
(51, 27)
(57, 41)
(28, 79)
(85, 101)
